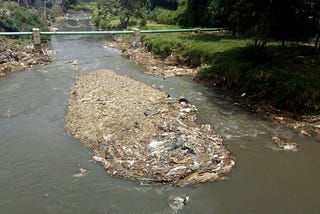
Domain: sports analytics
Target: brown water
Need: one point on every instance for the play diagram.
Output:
(38, 158)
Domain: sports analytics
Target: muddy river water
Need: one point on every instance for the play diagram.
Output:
(38, 158)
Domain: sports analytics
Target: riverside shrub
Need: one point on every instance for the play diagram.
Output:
(18, 18)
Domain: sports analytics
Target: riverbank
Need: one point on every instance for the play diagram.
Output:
(19, 54)
(308, 125)
(169, 64)
(168, 67)
(138, 132)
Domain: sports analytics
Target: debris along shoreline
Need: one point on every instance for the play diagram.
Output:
(168, 67)
(15, 57)
(138, 132)
(172, 66)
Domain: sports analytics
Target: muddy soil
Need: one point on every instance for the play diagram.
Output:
(136, 131)
(16, 57)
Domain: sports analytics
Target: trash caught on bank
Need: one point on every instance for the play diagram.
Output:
(137, 132)
(16, 58)
(284, 144)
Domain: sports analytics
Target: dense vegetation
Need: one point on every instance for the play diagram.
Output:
(235, 64)
(14, 17)
(271, 54)
(281, 20)
(263, 21)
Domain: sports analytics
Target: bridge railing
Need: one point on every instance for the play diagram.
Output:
(136, 33)
(110, 32)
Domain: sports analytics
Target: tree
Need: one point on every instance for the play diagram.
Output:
(67, 4)
(129, 8)
(168, 4)
(289, 20)
(219, 11)
(315, 11)
(122, 9)
(280, 20)
(196, 13)
(103, 14)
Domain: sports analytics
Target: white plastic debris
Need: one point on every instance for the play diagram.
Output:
(98, 159)
(177, 203)
(82, 172)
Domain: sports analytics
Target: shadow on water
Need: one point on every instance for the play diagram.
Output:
(38, 158)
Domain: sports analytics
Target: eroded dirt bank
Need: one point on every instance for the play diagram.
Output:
(137, 132)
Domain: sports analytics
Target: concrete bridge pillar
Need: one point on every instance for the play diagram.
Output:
(36, 39)
(136, 38)
(198, 31)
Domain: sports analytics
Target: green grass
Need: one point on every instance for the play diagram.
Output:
(19, 43)
(152, 25)
(194, 49)
(165, 16)
(290, 82)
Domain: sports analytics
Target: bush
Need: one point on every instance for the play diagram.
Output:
(295, 91)
(17, 18)
(159, 48)
(171, 17)
(53, 14)
(86, 6)
(143, 22)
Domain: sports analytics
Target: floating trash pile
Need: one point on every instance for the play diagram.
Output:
(138, 132)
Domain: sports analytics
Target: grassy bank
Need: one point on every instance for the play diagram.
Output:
(288, 80)
(192, 49)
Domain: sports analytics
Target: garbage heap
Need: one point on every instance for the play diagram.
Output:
(136, 131)
(14, 57)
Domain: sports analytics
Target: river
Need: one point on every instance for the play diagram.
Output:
(38, 157)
